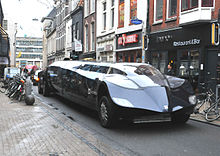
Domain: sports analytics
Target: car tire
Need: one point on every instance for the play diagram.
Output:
(45, 89)
(106, 111)
(180, 118)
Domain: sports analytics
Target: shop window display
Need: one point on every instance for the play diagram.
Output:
(189, 66)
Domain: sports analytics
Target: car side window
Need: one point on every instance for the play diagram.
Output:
(117, 71)
(86, 67)
(102, 69)
(95, 68)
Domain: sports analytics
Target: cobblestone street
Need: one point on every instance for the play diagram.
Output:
(40, 130)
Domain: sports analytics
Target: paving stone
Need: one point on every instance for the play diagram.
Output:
(41, 130)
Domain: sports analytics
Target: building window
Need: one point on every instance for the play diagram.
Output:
(207, 3)
(112, 17)
(188, 4)
(73, 32)
(121, 13)
(92, 6)
(5, 24)
(92, 36)
(133, 9)
(112, 13)
(77, 31)
(86, 5)
(104, 15)
(158, 10)
(86, 38)
(171, 8)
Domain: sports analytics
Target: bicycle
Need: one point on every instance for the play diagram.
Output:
(2, 87)
(204, 100)
(213, 111)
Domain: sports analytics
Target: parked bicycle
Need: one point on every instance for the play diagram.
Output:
(2, 86)
(20, 88)
(207, 105)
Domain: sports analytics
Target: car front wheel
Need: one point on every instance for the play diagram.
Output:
(106, 112)
(40, 90)
(45, 89)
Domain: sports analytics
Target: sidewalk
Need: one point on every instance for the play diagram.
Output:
(201, 118)
(40, 130)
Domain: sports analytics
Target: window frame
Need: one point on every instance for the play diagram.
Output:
(104, 15)
(131, 9)
(86, 8)
(86, 38)
(112, 15)
(92, 6)
(213, 4)
(189, 3)
(155, 13)
(168, 10)
(119, 12)
(92, 36)
(77, 30)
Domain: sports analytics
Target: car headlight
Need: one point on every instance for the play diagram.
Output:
(122, 102)
(192, 99)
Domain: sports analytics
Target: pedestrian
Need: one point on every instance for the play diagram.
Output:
(170, 70)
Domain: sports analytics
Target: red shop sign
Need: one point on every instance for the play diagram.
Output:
(127, 39)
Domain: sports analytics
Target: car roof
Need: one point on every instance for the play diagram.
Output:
(72, 64)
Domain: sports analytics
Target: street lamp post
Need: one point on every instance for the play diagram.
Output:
(14, 57)
(138, 21)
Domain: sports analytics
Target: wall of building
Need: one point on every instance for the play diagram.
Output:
(88, 20)
(216, 10)
(77, 17)
(166, 23)
(29, 51)
(141, 14)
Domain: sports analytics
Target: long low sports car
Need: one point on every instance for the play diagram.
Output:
(131, 91)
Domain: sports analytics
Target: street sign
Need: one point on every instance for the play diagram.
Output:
(136, 21)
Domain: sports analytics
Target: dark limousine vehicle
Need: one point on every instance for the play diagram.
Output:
(136, 92)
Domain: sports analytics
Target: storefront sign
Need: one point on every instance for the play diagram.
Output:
(181, 37)
(164, 38)
(100, 49)
(108, 47)
(186, 43)
(127, 39)
(78, 45)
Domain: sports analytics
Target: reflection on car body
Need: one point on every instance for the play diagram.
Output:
(132, 91)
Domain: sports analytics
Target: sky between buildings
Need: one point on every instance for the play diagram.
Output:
(27, 14)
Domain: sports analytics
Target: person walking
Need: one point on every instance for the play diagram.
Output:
(170, 70)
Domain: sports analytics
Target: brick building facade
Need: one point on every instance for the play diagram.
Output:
(182, 34)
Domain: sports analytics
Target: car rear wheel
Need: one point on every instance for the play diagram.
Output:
(106, 112)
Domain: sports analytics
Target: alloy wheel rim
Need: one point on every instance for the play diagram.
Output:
(104, 112)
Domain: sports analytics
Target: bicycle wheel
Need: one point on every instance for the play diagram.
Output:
(2, 89)
(212, 113)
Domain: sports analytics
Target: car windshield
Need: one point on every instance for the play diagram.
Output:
(152, 74)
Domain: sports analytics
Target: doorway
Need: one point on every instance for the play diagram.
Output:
(160, 60)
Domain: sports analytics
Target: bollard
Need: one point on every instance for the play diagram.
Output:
(29, 97)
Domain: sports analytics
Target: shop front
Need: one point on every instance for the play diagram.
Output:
(105, 53)
(189, 52)
(129, 47)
